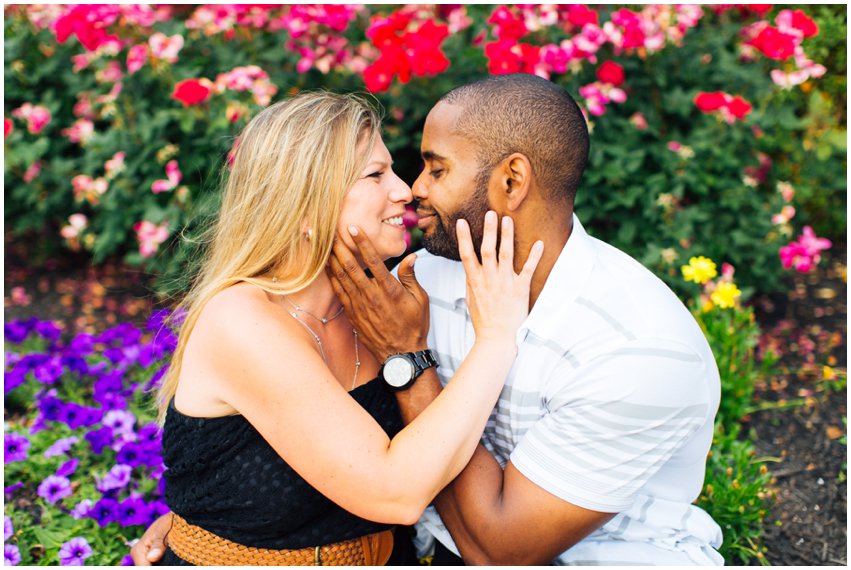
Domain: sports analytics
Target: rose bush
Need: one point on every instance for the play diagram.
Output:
(717, 130)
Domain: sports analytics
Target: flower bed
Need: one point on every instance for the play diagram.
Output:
(710, 121)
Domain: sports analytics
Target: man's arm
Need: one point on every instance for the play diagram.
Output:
(494, 516)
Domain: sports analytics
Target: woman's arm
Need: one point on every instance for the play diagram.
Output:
(278, 381)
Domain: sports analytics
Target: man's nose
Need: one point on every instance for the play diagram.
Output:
(419, 186)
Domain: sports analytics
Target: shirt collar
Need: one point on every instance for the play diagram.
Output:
(564, 283)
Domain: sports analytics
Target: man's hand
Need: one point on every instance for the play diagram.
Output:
(390, 315)
(151, 547)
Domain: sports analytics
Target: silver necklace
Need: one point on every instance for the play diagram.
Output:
(323, 320)
(322, 351)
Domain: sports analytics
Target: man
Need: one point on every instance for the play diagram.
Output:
(597, 446)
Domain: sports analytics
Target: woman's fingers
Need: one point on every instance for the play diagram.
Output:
(506, 243)
(488, 248)
(465, 247)
(531, 264)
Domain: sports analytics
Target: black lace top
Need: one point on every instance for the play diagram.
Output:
(224, 477)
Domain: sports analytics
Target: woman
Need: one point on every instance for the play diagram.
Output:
(275, 440)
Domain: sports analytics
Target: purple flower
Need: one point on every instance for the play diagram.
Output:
(99, 438)
(12, 488)
(81, 344)
(75, 363)
(14, 447)
(116, 478)
(155, 380)
(76, 416)
(48, 330)
(132, 454)
(127, 560)
(82, 509)
(74, 552)
(48, 372)
(61, 446)
(157, 320)
(53, 488)
(11, 555)
(156, 509)
(120, 421)
(16, 331)
(150, 432)
(13, 378)
(104, 511)
(51, 407)
(132, 511)
(68, 468)
(8, 529)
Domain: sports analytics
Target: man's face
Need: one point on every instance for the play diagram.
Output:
(450, 186)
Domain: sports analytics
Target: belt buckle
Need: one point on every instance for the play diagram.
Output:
(317, 556)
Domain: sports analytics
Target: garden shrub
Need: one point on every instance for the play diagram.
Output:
(145, 103)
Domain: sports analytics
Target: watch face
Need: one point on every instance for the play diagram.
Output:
(398, 371)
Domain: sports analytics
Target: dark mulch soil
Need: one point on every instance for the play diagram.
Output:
(802, 427)
(808, 523)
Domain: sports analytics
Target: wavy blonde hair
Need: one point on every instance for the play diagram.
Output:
(294, 163)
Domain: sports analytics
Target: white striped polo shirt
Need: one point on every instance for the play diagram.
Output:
(610, 404)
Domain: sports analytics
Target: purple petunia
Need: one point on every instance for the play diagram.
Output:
(53, 488)
(16, 331)
(11, 555)
(81, 344)
(48, 330)
(132, 511)
(127, 560)
(12, 379)
(82, 509)
(74, 552)
(121, 421)
(50, 406)
(49, 371)
(8, 529)
(104, 511)
(68, 468)
(61, 446)
(15, 447)
(99, 439)
(116, 478)
(12, 488)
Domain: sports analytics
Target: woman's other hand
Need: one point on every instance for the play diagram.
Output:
(497, 297)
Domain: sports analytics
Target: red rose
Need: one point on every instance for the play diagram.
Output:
(579, 15)
(610, 72)
(509, 26)
(708, 102)
(759, 9)
(192, 91)
(501, 59)
(738, 107)
(774, 44)
(7, 127)
(802, 22)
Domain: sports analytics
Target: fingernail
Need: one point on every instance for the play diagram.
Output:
(491, 215)
(154, 553)
(353, 230)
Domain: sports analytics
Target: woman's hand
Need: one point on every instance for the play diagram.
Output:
(497, 297)
(391, 315)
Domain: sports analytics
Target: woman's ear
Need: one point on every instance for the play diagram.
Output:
(515, 180)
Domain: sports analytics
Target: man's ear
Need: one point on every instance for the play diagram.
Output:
(515, 180)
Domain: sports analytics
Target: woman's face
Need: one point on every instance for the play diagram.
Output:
(376, 204)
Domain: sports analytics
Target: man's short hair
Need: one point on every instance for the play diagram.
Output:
(524, 113)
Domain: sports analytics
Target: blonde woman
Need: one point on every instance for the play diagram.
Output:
(280, 447)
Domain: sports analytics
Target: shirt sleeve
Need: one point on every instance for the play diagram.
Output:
(613, 423)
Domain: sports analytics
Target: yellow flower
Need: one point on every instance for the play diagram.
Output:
(725, 295)
(699, 269)
(828, 373)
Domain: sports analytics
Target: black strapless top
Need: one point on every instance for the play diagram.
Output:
(224, 477)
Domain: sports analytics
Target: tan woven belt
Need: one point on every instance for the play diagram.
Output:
(202, 548)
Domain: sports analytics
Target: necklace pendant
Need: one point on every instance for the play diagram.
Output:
(295, 316)
(324, 321)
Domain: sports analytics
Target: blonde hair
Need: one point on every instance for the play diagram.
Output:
(294, 163)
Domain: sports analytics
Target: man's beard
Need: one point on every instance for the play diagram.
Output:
(443, 241)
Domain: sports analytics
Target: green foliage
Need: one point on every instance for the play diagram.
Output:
(737, 485)
(737, 494)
